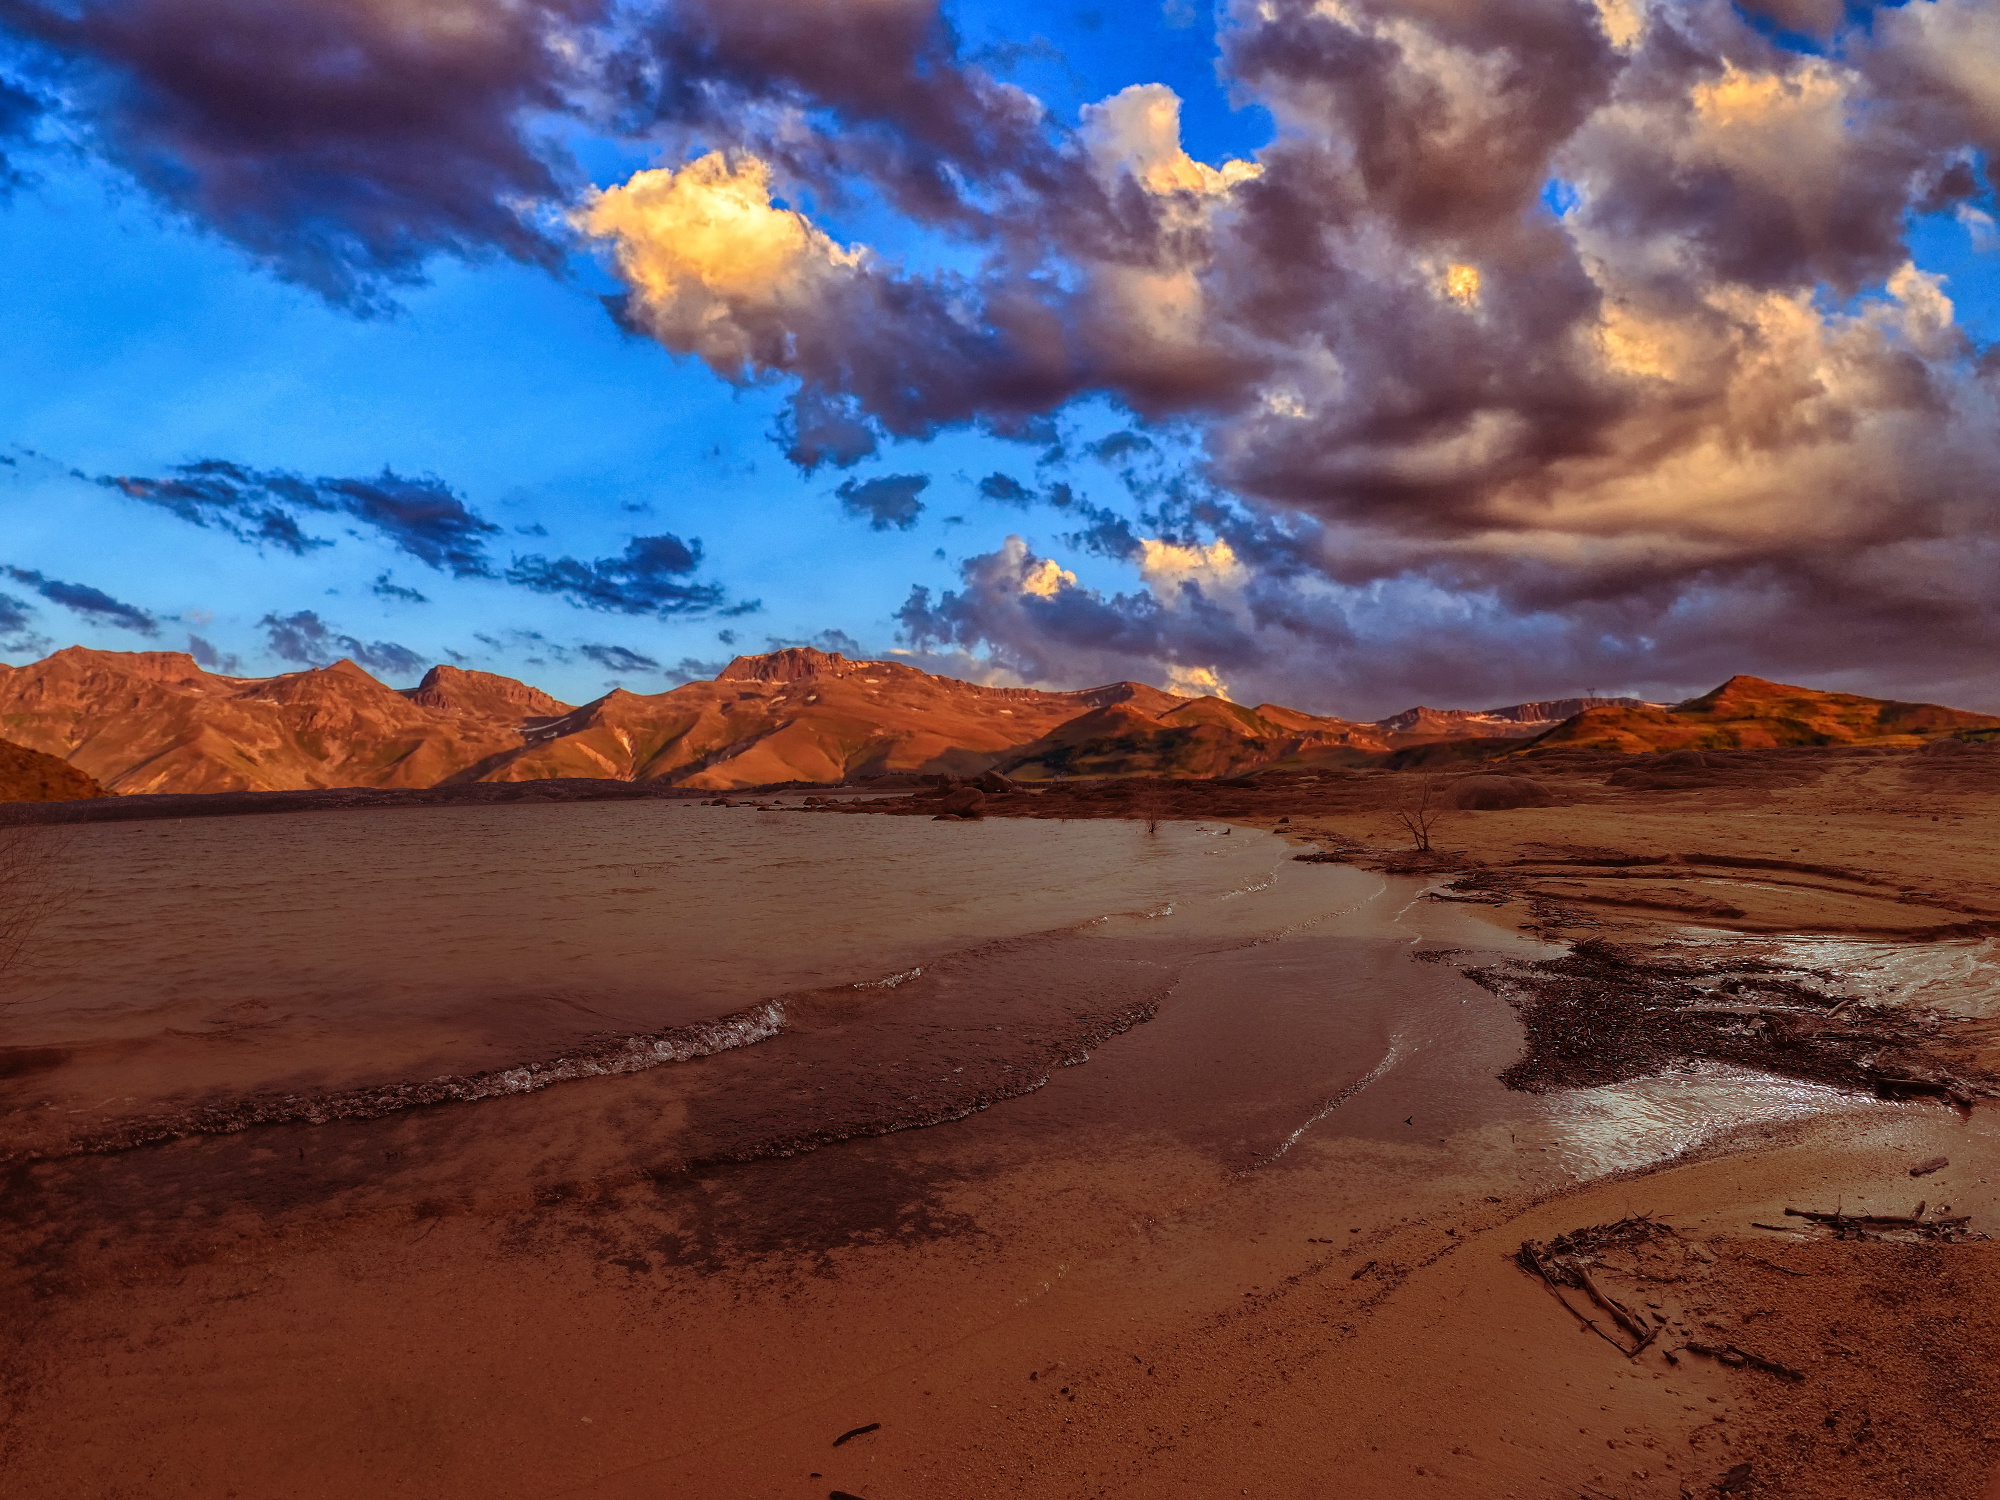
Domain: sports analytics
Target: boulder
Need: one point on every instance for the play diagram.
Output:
(964, 802)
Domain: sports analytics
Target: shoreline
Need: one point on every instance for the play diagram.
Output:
(1342, 1316)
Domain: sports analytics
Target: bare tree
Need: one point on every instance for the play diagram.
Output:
(1421, 810)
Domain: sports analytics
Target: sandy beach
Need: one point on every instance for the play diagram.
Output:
(1260, 1236)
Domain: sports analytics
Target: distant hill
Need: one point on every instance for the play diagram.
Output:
(154, 721)
(30, 776)
(1748, 713)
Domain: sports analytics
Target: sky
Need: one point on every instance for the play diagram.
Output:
(1346, 354)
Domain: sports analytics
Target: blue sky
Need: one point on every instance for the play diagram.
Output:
(138, 339)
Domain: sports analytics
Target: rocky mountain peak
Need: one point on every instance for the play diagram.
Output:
(791, 664)
(454, 690)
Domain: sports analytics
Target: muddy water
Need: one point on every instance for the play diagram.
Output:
(204, 959)
(727, 986)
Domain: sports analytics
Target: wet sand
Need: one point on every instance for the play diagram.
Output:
(1256, 1237)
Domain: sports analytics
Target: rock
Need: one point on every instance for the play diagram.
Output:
(1492, 793)
(994, 784)
(964, 802)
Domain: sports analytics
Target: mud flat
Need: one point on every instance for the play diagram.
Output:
(1228, 1198)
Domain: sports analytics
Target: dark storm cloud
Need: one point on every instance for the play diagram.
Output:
(890, 501)
(650, 578)
(93, 604)
(421, 517)
(619, 659)
(342, 142)
(304, 638)
(896, 102)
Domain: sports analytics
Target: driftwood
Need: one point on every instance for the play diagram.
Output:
(1729, 1354)
(1938, 1226)
(1563, 1264)
(1759, 1260)
(1925, 1168)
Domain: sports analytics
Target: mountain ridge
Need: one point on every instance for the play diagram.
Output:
(1754, 713)
(156, 721)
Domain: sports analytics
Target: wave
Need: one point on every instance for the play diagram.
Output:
(598, 1059)
(1059, 1042)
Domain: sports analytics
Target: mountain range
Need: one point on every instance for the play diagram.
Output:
(156, 721)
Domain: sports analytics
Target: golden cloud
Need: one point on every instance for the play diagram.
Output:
(712, 263)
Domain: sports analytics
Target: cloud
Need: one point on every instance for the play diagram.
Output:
(419, 516)
(537, 649)
(619, 659)
(1119, 445)
(20, 113)
(340, 142)
(93, 604)
(690, 669)
(206, 655)
(1707, 414)
(717, 268)
(887, 95)
(1032, 615)
(1005, 489)
(888, 501)
(1584, 329)
(826, 640)
(1137, 133)
(309, 641)
(649, 579)
(250, 507)
(817, 428)
(422, 517)
(17, 633)
(714, 267)
(425, 519)
(384, 588)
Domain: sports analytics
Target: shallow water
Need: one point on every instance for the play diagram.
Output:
(332, 950)
(870, 973)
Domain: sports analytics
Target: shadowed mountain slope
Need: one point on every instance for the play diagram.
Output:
(30, 776)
